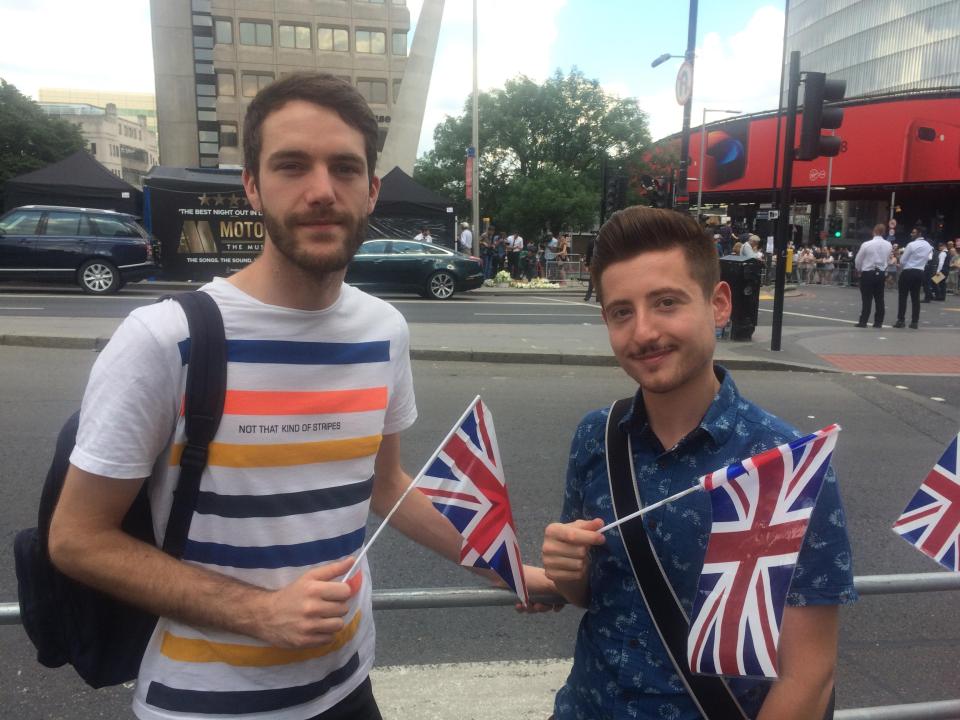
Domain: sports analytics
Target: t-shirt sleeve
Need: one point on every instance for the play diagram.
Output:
(824, 571)
(402, 405)
(130, 404)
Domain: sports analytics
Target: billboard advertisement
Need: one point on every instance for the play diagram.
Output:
(205, 224)
(889, 142)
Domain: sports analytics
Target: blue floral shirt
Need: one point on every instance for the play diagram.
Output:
(620, 668)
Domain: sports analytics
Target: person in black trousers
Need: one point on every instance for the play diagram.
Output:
(587, 259)
(913, 260)
(871, 263)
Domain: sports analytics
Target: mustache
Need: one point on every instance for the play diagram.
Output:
(317, 218)
(651, 350)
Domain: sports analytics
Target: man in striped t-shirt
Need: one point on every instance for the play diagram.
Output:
(254, 621)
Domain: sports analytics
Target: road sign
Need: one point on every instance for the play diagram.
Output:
(684, 87)
(768, 214)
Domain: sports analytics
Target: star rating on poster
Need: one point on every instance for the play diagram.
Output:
(233, 200)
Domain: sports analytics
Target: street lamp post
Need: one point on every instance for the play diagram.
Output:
(683, 199)
(703, 144)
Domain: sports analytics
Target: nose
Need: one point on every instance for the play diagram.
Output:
(644, 331)
(319, 188)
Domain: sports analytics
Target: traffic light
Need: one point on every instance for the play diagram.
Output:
(836, 227)
(615, 193)
(818, 90)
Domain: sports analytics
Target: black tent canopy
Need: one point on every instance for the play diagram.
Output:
(405, 207)
(77, 181)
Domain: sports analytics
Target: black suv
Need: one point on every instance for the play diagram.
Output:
(100, 250)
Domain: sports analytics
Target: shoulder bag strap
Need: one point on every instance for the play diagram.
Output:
(206, 390)
(710, 693)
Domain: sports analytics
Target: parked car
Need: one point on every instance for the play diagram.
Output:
(99, 250)
(409, 266)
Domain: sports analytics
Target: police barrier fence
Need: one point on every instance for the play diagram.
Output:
(447, 597)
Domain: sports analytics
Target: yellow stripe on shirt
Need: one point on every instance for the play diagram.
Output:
(285, 454)
(190, 650)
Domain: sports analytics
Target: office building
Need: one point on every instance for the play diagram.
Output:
(212, 56)
(127, 148)
(130, 105)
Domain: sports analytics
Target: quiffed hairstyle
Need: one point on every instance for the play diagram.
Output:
(641, 229)
(320, 89)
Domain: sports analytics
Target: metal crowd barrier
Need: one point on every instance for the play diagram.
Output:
(454, 597)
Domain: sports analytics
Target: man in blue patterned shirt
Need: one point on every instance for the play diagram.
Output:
(657, 277)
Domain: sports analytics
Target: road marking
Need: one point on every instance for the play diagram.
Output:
(34, 296)
(938, 399)
(814, 317)
(581, 303)
(901, 387)
(22, 308)
(520, 690)
(465, 301)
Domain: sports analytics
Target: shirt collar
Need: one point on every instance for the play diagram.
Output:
(718, 422)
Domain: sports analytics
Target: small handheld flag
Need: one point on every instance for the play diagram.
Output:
(761, 508)
(465, 482)
(931, 521)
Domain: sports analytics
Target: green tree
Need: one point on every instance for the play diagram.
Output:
(29, 139)
(541, 148)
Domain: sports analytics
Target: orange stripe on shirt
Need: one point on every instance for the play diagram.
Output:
(285, 454)
(190, 650)
(327, 402)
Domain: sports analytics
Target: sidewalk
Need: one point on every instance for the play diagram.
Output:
(805, 348)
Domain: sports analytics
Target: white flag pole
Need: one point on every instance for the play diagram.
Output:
(648, 508)
(426, 466)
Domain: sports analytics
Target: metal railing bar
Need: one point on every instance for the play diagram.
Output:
(936, 710)
(457, 597)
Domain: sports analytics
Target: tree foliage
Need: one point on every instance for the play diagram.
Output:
(29, 139)
(540, 151)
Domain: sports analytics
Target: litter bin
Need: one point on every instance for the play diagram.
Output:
(743, 275)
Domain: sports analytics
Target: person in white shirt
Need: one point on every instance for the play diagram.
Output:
(942, 268)
(424, 236)
(749, 248)
(466, 238)
(871, 263)
(912, 262)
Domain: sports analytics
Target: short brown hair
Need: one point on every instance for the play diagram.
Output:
(641, 229)
(320, 89)
(879, 229)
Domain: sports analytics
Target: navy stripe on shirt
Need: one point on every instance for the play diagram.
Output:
(289, 352)
(274, 556)
(284, 504)
(242, 702)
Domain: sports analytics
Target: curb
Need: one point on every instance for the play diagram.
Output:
(444, 355)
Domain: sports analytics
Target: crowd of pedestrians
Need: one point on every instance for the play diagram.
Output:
(524, 259)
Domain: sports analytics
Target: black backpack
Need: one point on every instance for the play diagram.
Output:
(68, 622)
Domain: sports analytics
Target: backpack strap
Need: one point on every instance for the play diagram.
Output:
(206, 391)
(710, 694)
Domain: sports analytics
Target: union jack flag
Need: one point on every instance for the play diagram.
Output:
(761, 507)
(931, 521)
(465, 482)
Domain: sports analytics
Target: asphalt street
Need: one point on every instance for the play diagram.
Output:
(813, 306)
(894, 649)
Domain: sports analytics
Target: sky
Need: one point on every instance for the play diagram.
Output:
(106, 45)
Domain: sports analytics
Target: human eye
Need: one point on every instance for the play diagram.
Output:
(619, 313)
(347, 169)
(666, 303)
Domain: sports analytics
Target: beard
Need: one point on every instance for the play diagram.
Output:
(282, 233)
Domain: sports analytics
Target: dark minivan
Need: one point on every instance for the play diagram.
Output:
(99, 250)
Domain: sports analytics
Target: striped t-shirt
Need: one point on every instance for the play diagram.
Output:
(287, 488)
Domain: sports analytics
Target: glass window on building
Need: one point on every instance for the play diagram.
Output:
(333, 39)
(373, 91)
(396, 90)
(93, 148)
(251, 83)
(371, 41)
(228, 134)
(223, 31)
(256, 33)
(296, 37)
(208, 136)
(399, 2)
(400, 44)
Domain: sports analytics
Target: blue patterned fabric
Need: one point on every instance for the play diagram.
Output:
(620, 668)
